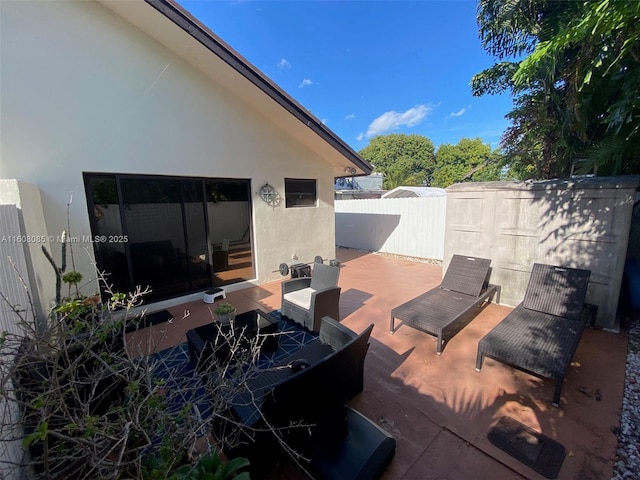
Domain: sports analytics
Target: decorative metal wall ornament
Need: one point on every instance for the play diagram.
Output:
(269, 195)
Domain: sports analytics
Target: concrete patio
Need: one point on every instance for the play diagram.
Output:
(438, 408)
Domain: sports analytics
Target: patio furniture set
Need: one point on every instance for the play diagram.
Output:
(313, 385)
(303, 396)
(539, 336)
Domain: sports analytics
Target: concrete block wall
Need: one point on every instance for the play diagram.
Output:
(580, 223)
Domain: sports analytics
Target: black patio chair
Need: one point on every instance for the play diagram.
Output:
(304, 400)
(446, 309)
(306, 300)
(540, 336)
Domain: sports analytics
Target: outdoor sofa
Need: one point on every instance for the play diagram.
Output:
(540, 336)
(304, 398)
(446, 309)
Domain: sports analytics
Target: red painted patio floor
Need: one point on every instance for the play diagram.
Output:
(438, 408)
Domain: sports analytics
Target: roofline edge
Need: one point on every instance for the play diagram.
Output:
(184, 20)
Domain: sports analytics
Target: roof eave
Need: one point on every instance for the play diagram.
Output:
(184, 20)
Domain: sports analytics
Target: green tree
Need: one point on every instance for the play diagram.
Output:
(531, 144)
(403, 159)
(573, 68)
(510, 30)
(468, 160)
(596, 56)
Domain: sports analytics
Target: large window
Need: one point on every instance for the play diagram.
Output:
(175, 235)
(300, 192)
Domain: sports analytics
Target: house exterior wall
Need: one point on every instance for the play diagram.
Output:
(577, 223)
(85, 91)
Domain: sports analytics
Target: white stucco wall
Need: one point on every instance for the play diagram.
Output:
(84, 90)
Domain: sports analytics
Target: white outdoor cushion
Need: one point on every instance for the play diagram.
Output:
(301, 298)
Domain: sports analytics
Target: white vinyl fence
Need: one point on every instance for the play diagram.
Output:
(412, 227)
(12, 260)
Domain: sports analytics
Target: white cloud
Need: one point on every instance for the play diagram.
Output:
(393, 120)
(350, 116)
(360, 136)
(306, 82)
(325, 121)
(458, 113)
(284, 64)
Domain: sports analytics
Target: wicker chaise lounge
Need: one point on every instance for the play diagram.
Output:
(446, 309)
(541, 334)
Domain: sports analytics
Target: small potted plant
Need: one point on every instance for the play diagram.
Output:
(225, 312)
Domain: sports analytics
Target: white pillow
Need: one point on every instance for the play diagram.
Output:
(301, 298)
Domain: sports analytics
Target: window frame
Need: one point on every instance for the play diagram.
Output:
(294, 194)
(195, 281)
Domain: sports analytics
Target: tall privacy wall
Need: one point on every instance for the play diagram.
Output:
(581, 223)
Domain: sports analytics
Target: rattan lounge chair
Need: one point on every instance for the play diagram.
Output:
(445, 310)
(541, 334)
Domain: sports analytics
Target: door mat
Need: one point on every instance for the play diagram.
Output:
(535, 450)
(148, 319)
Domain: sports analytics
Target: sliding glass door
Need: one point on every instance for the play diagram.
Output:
(174, 235)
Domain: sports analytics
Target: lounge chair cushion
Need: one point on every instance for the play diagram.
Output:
(301, 298)
(558, 291)
(466, 275)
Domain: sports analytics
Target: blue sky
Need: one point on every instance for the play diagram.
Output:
(368, 68)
